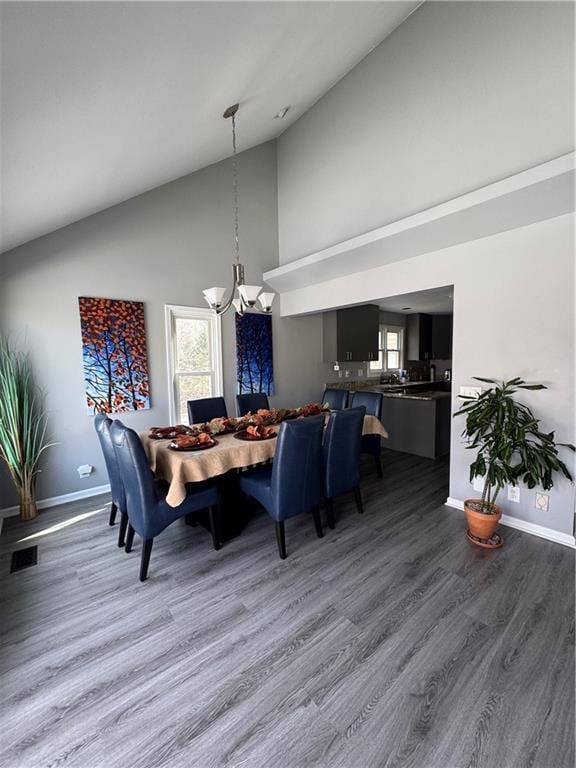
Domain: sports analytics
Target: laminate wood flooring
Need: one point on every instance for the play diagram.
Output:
(390, 642)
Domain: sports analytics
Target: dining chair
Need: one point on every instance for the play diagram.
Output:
(293, 484)
(371, 444)
(336, 399)
(102, 425)
(251, 403)
(341, 458)
(148, 512)
(205, 409)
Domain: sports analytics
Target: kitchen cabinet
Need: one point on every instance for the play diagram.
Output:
(441, 348)
(351, 334)
(429, 337)
(419, 427)
(419, 336)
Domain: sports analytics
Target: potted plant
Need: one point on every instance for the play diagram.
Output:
(510, 447)
(22, 426)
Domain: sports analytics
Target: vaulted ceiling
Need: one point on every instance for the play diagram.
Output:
(104, 101)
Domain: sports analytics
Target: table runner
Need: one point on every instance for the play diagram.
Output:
(179, 468)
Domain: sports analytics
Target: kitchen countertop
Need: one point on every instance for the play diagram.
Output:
(369, 386)
(426, 395)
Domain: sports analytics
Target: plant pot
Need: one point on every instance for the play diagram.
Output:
(479, 523)
(28, 509)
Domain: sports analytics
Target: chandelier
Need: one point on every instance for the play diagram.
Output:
(242, 296)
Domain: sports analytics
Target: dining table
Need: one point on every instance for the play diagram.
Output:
(180, 467)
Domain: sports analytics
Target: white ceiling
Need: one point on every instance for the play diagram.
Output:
(436, 301)
(104, 101)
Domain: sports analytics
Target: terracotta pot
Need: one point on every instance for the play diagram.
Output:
(480, 524)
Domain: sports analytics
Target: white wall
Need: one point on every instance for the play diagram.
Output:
(460, 95)
(513, 316)
(161, 248)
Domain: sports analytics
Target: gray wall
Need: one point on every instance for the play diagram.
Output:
(513, 316)
(460, 95)
(162, 247)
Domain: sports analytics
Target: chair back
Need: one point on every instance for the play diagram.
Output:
(102, 425)
(205, 409)
(372, 401)
(296, 484)
(139, 486)
(251, 402)
(337, 399)
(341, 451)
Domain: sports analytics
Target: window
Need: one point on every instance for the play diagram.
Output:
(390, 341)
(194, 349)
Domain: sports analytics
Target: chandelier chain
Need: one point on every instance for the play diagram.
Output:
(235, 188)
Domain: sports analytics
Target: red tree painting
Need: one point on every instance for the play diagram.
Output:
(114, 353)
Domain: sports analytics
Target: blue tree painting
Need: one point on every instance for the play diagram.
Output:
(254, 365)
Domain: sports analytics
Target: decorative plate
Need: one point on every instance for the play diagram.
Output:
(243, 435)
(201, 447)
(167, 434)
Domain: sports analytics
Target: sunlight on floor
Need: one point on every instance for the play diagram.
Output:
(64, 524)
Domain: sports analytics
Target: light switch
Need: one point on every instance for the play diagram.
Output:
(470, 391)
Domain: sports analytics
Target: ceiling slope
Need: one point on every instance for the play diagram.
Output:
(103, 101)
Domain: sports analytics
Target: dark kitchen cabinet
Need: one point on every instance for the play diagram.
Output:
(429, 337)
(419, 336)
(441, 337)
(351, 334)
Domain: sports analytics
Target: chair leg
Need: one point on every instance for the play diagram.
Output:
(378, 465)
(318, 522)
(330, 513)
(112, 518)
(358, 497)
(129, 538)
(281, 539)
(214, 514)
(122, 530)
(145, 558)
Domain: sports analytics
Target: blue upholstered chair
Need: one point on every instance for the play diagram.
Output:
(102, 425)
(148, 511)
(371, 444)
(205, 409)
(252, 403)
(337, 399)
(293, 484)
(341, 457)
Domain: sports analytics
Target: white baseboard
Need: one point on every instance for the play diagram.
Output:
(55, 500)
(523, 525)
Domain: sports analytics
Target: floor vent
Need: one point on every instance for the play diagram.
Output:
(24, 558)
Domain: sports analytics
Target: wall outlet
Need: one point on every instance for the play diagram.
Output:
(336, 367)
(360, 372)
(470, 391)
(346, 373)
(85, 470)
(478, 484)
(514, 493)
(339, 374)
(542, 502)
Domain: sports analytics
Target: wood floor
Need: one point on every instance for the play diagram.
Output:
(390, 642)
